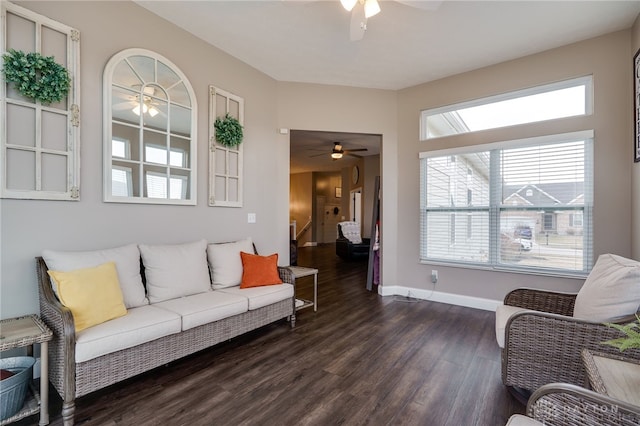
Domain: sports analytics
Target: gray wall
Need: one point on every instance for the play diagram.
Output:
(27, 227)
(607, 58)
(350, 109)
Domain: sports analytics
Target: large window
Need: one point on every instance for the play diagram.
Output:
(530, 210)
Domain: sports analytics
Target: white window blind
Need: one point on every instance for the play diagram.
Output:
(157, 186)
(121, 182)
(530, 207)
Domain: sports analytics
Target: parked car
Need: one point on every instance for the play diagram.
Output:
(524, 236)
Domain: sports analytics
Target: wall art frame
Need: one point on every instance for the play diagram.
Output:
(225, 162)
(39, 142)
(636, 108)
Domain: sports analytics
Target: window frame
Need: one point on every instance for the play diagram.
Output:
(587, 81)
(495, 206)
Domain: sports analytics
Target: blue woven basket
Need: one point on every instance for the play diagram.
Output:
(13, 390)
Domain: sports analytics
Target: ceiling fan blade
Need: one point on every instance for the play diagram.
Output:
(355, 150)
(358, 23)
(422, 4)
(123, 105)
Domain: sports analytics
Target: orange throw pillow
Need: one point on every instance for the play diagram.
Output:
(259, 270)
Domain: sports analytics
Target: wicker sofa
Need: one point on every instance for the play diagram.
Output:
(85, 361)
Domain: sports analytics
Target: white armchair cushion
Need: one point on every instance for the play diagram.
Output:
(175, 270)
(611, 291)
(351, 231)
(503, 313)
(225, 262)
(126, 258)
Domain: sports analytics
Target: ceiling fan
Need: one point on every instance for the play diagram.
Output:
(130, 102)
(338, 151)
(361, 10)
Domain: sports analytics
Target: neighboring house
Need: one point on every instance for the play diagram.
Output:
(549, 220)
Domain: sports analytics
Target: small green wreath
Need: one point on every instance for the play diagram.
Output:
(228, 131)
(35, 76)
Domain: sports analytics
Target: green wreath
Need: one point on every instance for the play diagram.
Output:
(35, 76)
(228, 131)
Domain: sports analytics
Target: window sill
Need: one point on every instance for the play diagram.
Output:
(505, 269)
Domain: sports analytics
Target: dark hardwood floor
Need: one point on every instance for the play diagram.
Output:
(361, 359)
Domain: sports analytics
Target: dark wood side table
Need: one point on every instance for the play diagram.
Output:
(612, 375)
(27, 331)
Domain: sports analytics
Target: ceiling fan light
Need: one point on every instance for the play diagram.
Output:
(153, 112)
(371, 8)
(336, 155)
(348, 4)
(136, 109)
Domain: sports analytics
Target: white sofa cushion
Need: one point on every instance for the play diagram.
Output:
(140, 325)
(175, 270)
(126, 258)
(203, 308)
(262, 296)
(225, 263)
(611, 291)
(503, 313)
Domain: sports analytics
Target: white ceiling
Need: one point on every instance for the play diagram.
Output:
(311, 150)
(308, 41)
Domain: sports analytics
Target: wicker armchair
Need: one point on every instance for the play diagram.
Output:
(544, 347)
(562, 404)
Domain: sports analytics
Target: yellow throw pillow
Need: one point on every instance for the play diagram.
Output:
(92, 294)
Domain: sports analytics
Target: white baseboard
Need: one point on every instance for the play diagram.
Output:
(438, 296)
(310, 244)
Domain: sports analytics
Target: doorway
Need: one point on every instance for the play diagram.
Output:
(355, 205)
(328, 215)
(315, 172)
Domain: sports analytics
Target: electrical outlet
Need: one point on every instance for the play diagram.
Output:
(434, 276)
(251, 218)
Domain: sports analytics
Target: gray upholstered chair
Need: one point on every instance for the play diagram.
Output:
(542, 333)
